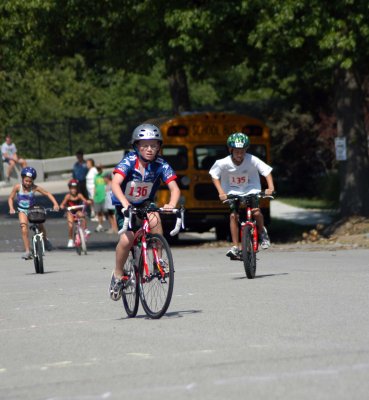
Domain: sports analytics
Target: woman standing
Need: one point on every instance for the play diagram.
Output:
(90, 182)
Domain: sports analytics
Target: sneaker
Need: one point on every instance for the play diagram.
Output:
(264, 239)
(116, 287)
(87, 232)
(70, 243)
(48, 245)
(27, 255)
(99, 228)
(233, 253)
(94, 218)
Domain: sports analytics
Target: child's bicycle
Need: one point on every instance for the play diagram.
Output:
(79, 235)
(249, 231)
(37, 215)
(149, 269)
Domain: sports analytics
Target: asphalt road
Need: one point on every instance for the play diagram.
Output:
(297, 331)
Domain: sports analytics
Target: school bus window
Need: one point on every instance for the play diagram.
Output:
(253, 130)
(176, 157)
(205, 156)
(177, 130)
(259, 151)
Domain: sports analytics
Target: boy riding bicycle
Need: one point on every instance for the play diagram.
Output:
(74, 198)
(135, 182)
(238, 173)
(25, 194)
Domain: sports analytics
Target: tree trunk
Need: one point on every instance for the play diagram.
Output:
(354, 172)
(178, 86)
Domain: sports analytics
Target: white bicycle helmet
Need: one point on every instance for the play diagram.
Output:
(146, 132)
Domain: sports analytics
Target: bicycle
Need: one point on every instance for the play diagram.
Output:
(249, 231)
(36, 216)
(149, 269)
(79, 236)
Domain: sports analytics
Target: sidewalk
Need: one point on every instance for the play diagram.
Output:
(300, 216)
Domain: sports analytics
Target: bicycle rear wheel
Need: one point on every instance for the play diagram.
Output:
(83, 240)
(39, 255)
(130, 295)
(248, 253)
(155, 289)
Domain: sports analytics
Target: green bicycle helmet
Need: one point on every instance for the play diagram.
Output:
(238, 140)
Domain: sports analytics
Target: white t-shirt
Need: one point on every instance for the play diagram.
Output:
(90, 182)
(240, 179)
(9, 149)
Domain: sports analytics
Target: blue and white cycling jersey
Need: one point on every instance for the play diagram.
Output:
(25, 200)
(138, 188)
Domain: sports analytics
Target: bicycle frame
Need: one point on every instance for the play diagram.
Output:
(76, 219)
(140, 237)
(140, 234)
(254, 229)
(250, 222)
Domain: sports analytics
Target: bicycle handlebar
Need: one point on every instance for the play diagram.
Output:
(259, 195)
(49, 209)
(79, 207)
(128, 212)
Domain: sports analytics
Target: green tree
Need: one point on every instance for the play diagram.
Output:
(192, 38)
(317, 51)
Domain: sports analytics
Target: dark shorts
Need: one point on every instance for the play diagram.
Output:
(234, 205)
(136, 222)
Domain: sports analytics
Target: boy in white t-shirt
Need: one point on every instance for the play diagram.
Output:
(239, 173)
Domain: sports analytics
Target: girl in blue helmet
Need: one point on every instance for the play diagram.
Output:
(24, 193)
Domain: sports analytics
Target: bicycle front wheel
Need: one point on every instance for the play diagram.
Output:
(83, 240)
(77, 241)
(156, 287)
(35, 258)
(248, 253)
(130, 290)
(39, 255)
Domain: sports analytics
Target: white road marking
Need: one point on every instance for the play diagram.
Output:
(141, 355)
(287, 375)
(24, 328)
(191, 386)
(103, 396)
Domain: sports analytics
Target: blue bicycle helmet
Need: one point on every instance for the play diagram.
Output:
(30, 172)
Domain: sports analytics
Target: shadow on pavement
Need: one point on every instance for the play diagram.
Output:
(171, 314)
(259, 276)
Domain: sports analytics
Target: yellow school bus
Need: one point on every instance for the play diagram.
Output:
(192, 143)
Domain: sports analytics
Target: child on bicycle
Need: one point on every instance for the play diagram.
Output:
(238, 173)
(135, 182)
(24, 193)
(74, 198)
